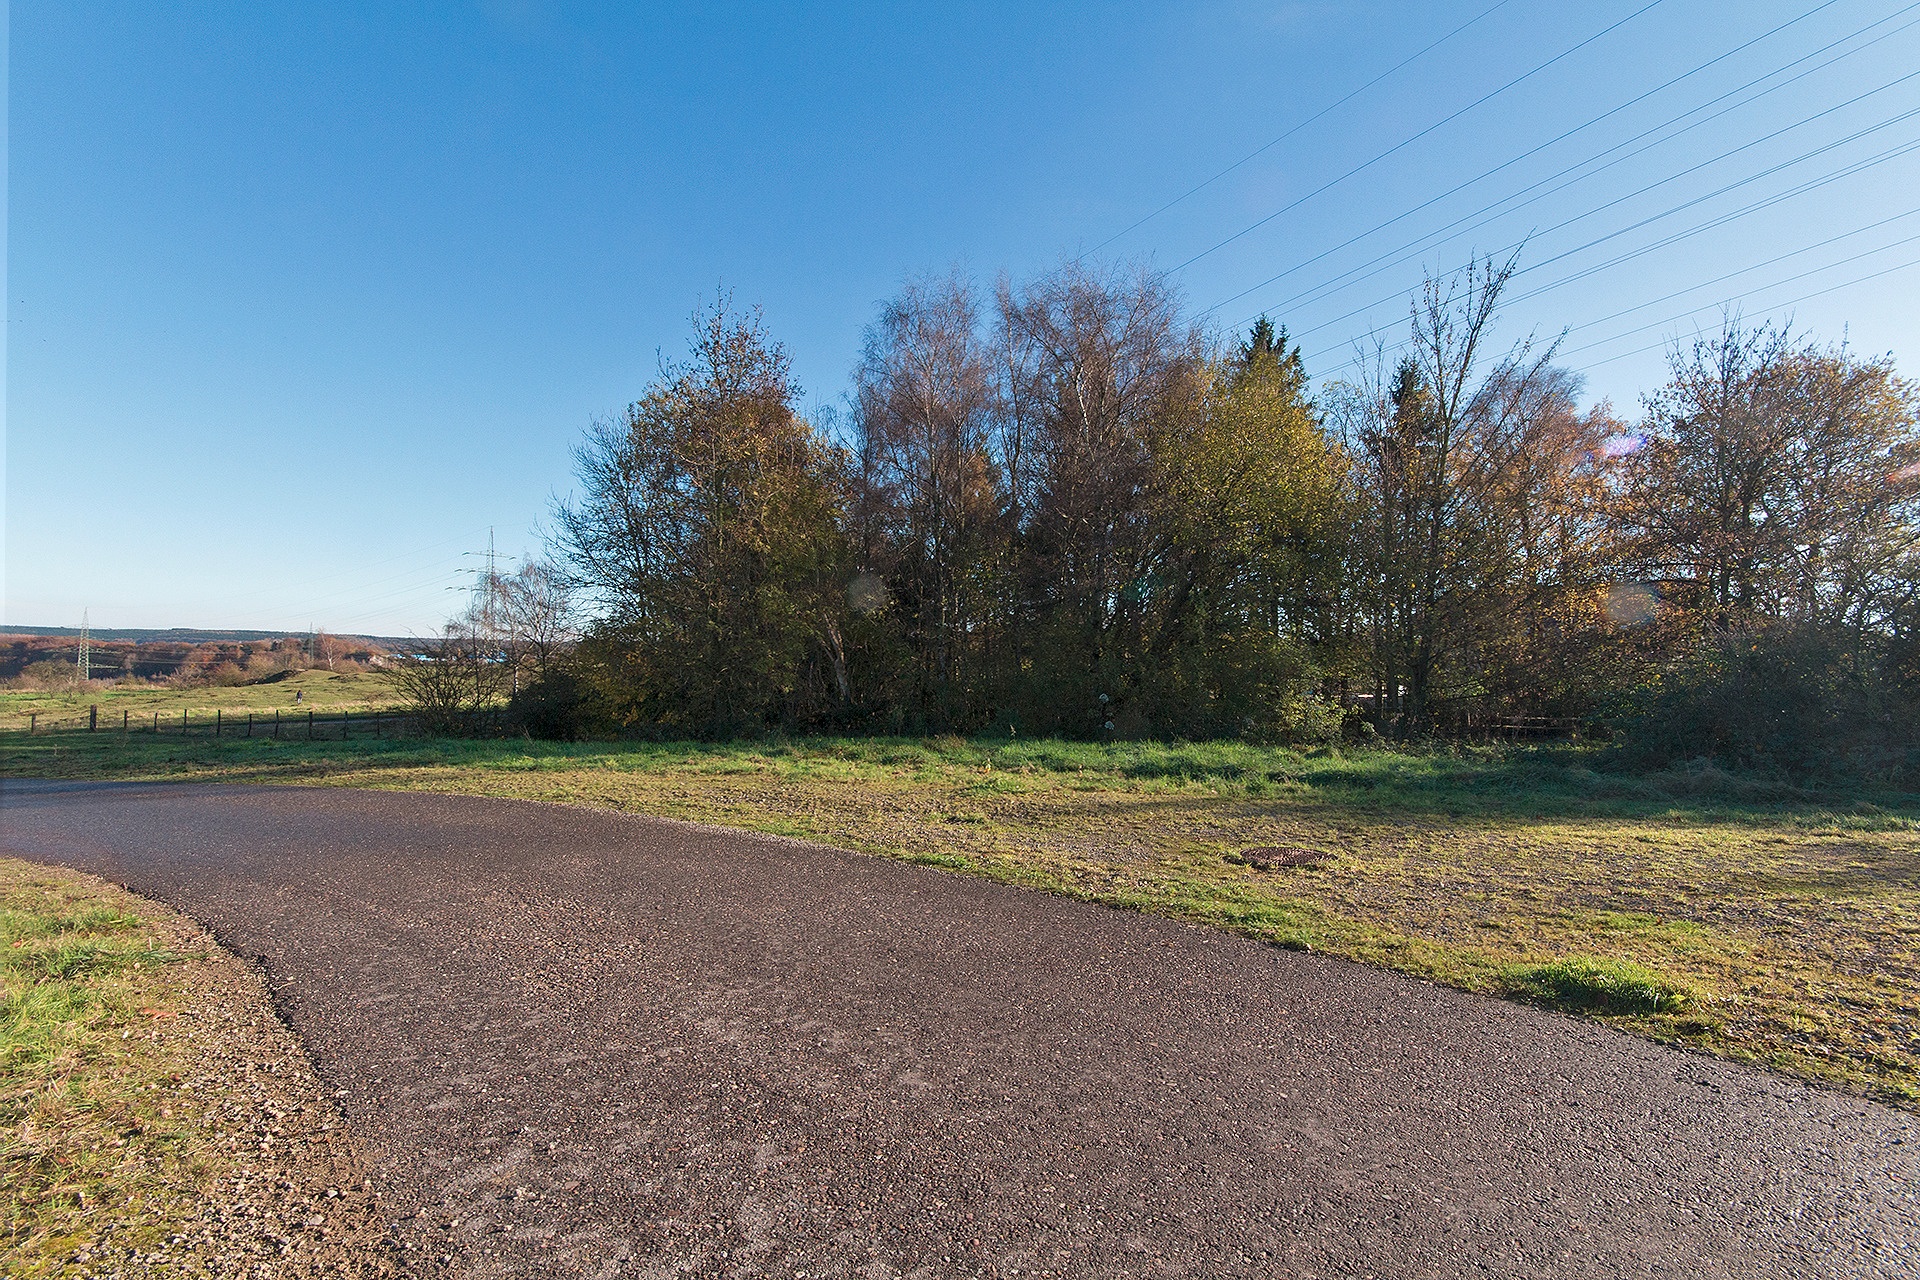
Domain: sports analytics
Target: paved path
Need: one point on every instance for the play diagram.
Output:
(605, 1045)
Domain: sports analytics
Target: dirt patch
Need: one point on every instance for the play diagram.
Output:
(1278, 857)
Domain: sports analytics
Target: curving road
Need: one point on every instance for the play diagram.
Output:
(588, 1044)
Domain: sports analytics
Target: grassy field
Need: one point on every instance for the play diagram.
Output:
(1741, 918)
(319, 690)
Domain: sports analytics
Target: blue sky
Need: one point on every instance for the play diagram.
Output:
(302, 300)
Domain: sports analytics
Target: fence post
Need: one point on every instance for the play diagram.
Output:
(93, 717)
(125, 717)
(249, 724)
(33, 721)
(183, 722)
(344, 718)
(276, 724)
(156, 724)
(309, 724)
(216, 722)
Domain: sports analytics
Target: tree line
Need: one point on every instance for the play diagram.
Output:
(1063, 507)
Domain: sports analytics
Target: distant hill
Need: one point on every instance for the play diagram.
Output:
(188, 635)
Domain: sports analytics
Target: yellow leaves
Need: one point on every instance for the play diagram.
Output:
(1255, 462)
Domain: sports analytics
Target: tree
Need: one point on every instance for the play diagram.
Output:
(1099, 368)
(448, 681)
(1267, 347)
(930, 506)
(708, 532)
(1770, 482)
(1776, 502)
(1252, 495)
(1470, 469)
(528, 616)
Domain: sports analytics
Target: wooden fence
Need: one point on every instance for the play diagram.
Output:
(307, 724)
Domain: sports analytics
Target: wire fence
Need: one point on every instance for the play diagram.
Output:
(306, 725)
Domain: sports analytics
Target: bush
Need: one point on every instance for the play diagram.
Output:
(449, 683)
(560, 704)
(1789, 700)
(48, 674)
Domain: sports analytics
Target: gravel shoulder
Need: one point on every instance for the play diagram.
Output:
(580, 1043)
(178, 1128)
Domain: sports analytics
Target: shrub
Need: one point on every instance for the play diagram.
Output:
(560, 704)
(1792, 700)
(48, 674)
(447, 684)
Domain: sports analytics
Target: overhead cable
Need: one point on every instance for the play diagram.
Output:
(1729, 302)
(1407, 142)
(1259, 151)
(1844, 171)
(1390, 257)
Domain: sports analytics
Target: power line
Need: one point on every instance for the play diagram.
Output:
(1845, 235)
(1888, 123)
(1773, 284)
(1418, 245)
(1257, 152)
(1406, 142)
(446, 581)
(1419, 241)
(1728, 302)
(434, 568)
(1720, 220)
(410, 554)
(1711, 224)
(1844, 171)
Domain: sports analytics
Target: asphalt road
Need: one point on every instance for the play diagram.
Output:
(587, 1044)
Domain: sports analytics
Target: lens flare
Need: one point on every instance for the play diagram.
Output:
(1629, 604)
(867, 594)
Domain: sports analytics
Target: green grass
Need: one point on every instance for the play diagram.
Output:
(84, 1135)
(1597, 986)
(1741, 916)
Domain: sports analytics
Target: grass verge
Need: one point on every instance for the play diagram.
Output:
(134, 1077)
(1735, 915)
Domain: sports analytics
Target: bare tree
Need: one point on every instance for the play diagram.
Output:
(930, 499)
(1097, 364)
(1465, 462)
(528, 617)
(450, 679)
